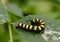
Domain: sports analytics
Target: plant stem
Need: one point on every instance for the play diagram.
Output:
(9, 21)
(10, 33)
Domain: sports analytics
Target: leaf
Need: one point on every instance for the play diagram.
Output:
(13, 17)
(51, 25)
(3, 19)
(13, 8)
(3, 13)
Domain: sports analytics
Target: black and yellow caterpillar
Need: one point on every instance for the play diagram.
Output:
(36, 25)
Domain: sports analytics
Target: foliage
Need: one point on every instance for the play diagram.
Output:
(12, 11)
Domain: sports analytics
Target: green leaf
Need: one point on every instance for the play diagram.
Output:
(13, 17)
(13, 8)
(51, 26)
(3, 13)
(3, 19)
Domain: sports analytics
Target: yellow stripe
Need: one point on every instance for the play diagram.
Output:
(37, 19)
(43, 23)
(33, 20)
(27, 26)
(39, 27)
(35, 28)
(40, 20)
(30, 27)
(42, 26)
(20, 24)
(23, 25)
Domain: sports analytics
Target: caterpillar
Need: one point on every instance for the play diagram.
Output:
(36, 25)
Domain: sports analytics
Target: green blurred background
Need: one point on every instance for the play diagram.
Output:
(49, 8)
(18, 9)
